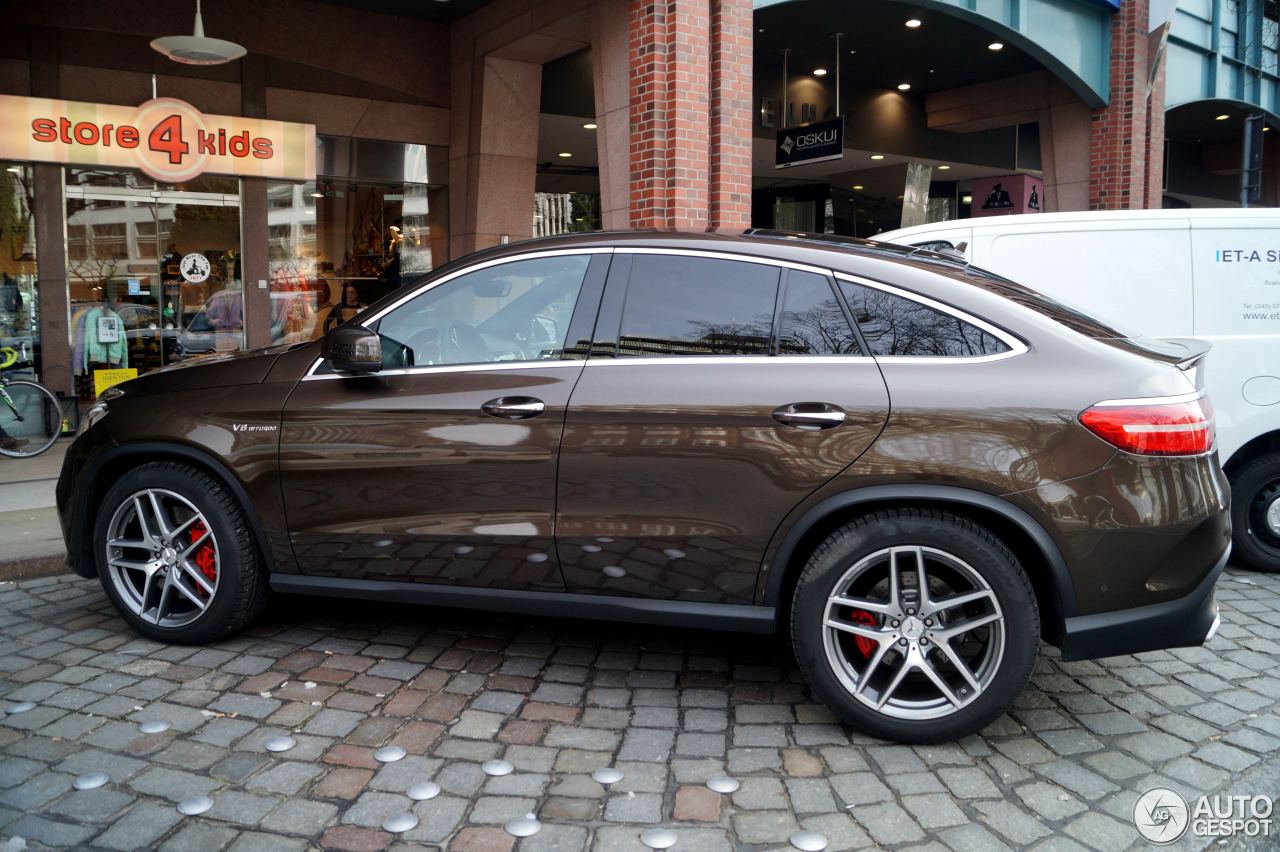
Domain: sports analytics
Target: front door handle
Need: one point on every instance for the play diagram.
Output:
(810, 416)
(513, 407)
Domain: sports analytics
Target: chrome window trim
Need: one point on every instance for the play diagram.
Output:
(690, 360)
(1151, 400)
(497, 261)
(1016, 346)
(480, 366)
(724, 255)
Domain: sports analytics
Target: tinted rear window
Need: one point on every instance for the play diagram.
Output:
(896, 326)
(812, 320)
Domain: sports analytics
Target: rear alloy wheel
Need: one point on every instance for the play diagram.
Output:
(915, 626)
(1255, 513)
(176, 556)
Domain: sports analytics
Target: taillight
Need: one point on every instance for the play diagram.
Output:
(1179, 428)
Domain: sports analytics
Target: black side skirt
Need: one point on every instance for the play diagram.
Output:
(709, 616)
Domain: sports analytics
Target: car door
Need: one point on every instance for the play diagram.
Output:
(721, 390)
(441, 467)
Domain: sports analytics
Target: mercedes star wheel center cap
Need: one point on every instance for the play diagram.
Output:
(169, 556)
(912, 628)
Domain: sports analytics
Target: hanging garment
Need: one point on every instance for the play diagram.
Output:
(98, 346)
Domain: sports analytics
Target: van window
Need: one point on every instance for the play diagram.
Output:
(895, 326)
(934, 245)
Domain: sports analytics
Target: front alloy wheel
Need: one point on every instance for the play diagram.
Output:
(915, 625)
(162, 558)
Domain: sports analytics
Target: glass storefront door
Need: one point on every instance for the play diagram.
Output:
(153, 273)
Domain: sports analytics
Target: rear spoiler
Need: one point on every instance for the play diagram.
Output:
(1192, 361)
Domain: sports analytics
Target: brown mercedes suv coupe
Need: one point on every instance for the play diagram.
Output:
(916, 469)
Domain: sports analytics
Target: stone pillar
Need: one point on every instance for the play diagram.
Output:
(1155, 142)
(1119, 161)
(609, 63)
(254, 265)
(493, 152)
(1064, 155)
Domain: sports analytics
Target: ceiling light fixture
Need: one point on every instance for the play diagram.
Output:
(590, 125)
(996, 45)
(877, 156)
(317, 194)
(819, 72)
(17, 170)
(197, 49)
(914, 23)
(564, 154)
(1223, 117)
(904, 87)
(943, 168)
(966, 199)
(859, 187)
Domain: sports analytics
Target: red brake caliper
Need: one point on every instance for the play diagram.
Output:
(204, 556)
(861, 616)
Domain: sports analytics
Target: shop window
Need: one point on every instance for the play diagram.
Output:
(697, 306)
(336, 246)
(19, 305)
(153, 273)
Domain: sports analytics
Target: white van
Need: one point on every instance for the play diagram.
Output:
(1208, 274)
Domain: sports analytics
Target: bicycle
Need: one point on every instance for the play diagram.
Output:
(30, 416)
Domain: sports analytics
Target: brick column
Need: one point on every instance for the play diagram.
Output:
(1119, 161)
(690, 114)
(731, 129)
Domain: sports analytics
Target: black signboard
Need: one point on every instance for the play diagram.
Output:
(813, 143)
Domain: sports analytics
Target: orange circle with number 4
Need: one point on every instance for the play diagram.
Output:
(167, 131)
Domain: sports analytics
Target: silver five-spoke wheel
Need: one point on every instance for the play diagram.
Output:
(913, 632)
(162, 557)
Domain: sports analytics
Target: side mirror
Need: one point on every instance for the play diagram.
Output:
(352, 349)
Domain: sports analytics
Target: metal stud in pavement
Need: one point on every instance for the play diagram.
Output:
(497, 767)
(525, 826)
(808, 841)
(91, 781)
(722, 783)
(423, 790)
(607, 775)
(389, 754)
(20, 707)
(194, 806)
(400, 823)
(673, 553)
(658, 838)
(154, 726)
(463, 549)
(280, 743)
(590, 548)
(615, 571)
(536, 557)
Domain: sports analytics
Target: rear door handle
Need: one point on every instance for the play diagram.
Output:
(810, 416)
(513, 407)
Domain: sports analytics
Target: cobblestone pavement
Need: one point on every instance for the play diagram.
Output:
(559, 699)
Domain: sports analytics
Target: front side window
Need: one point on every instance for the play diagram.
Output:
(516, 311)
(812, 321)
(682, 306)
(896, 326)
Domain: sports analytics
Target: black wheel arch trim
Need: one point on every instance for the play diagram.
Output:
(934, 494)
(82, 532)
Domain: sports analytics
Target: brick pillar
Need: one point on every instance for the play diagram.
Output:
(1119, 161)
(731, 130)
(690, 114)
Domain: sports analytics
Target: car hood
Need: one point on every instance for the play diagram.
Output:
(209, 371)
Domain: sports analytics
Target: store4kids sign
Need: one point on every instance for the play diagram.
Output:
(169, 139)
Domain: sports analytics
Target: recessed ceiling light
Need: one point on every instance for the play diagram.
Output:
(877, 156)
(904, 87)
(819, 72)
(996, 45)
(966, 199)
(317, 194)
(564, 154)
(17, 170)
(914, 23)
(852, 52)
(858, 186)
(1221, 117)
(943, 168)
(590, 125)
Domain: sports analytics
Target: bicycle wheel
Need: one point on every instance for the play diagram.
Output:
(30, 416)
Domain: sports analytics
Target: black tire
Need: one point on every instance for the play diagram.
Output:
(982, 552)
(242, 583)
(1254, 485)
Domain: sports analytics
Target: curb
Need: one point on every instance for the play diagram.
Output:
(30, 569)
